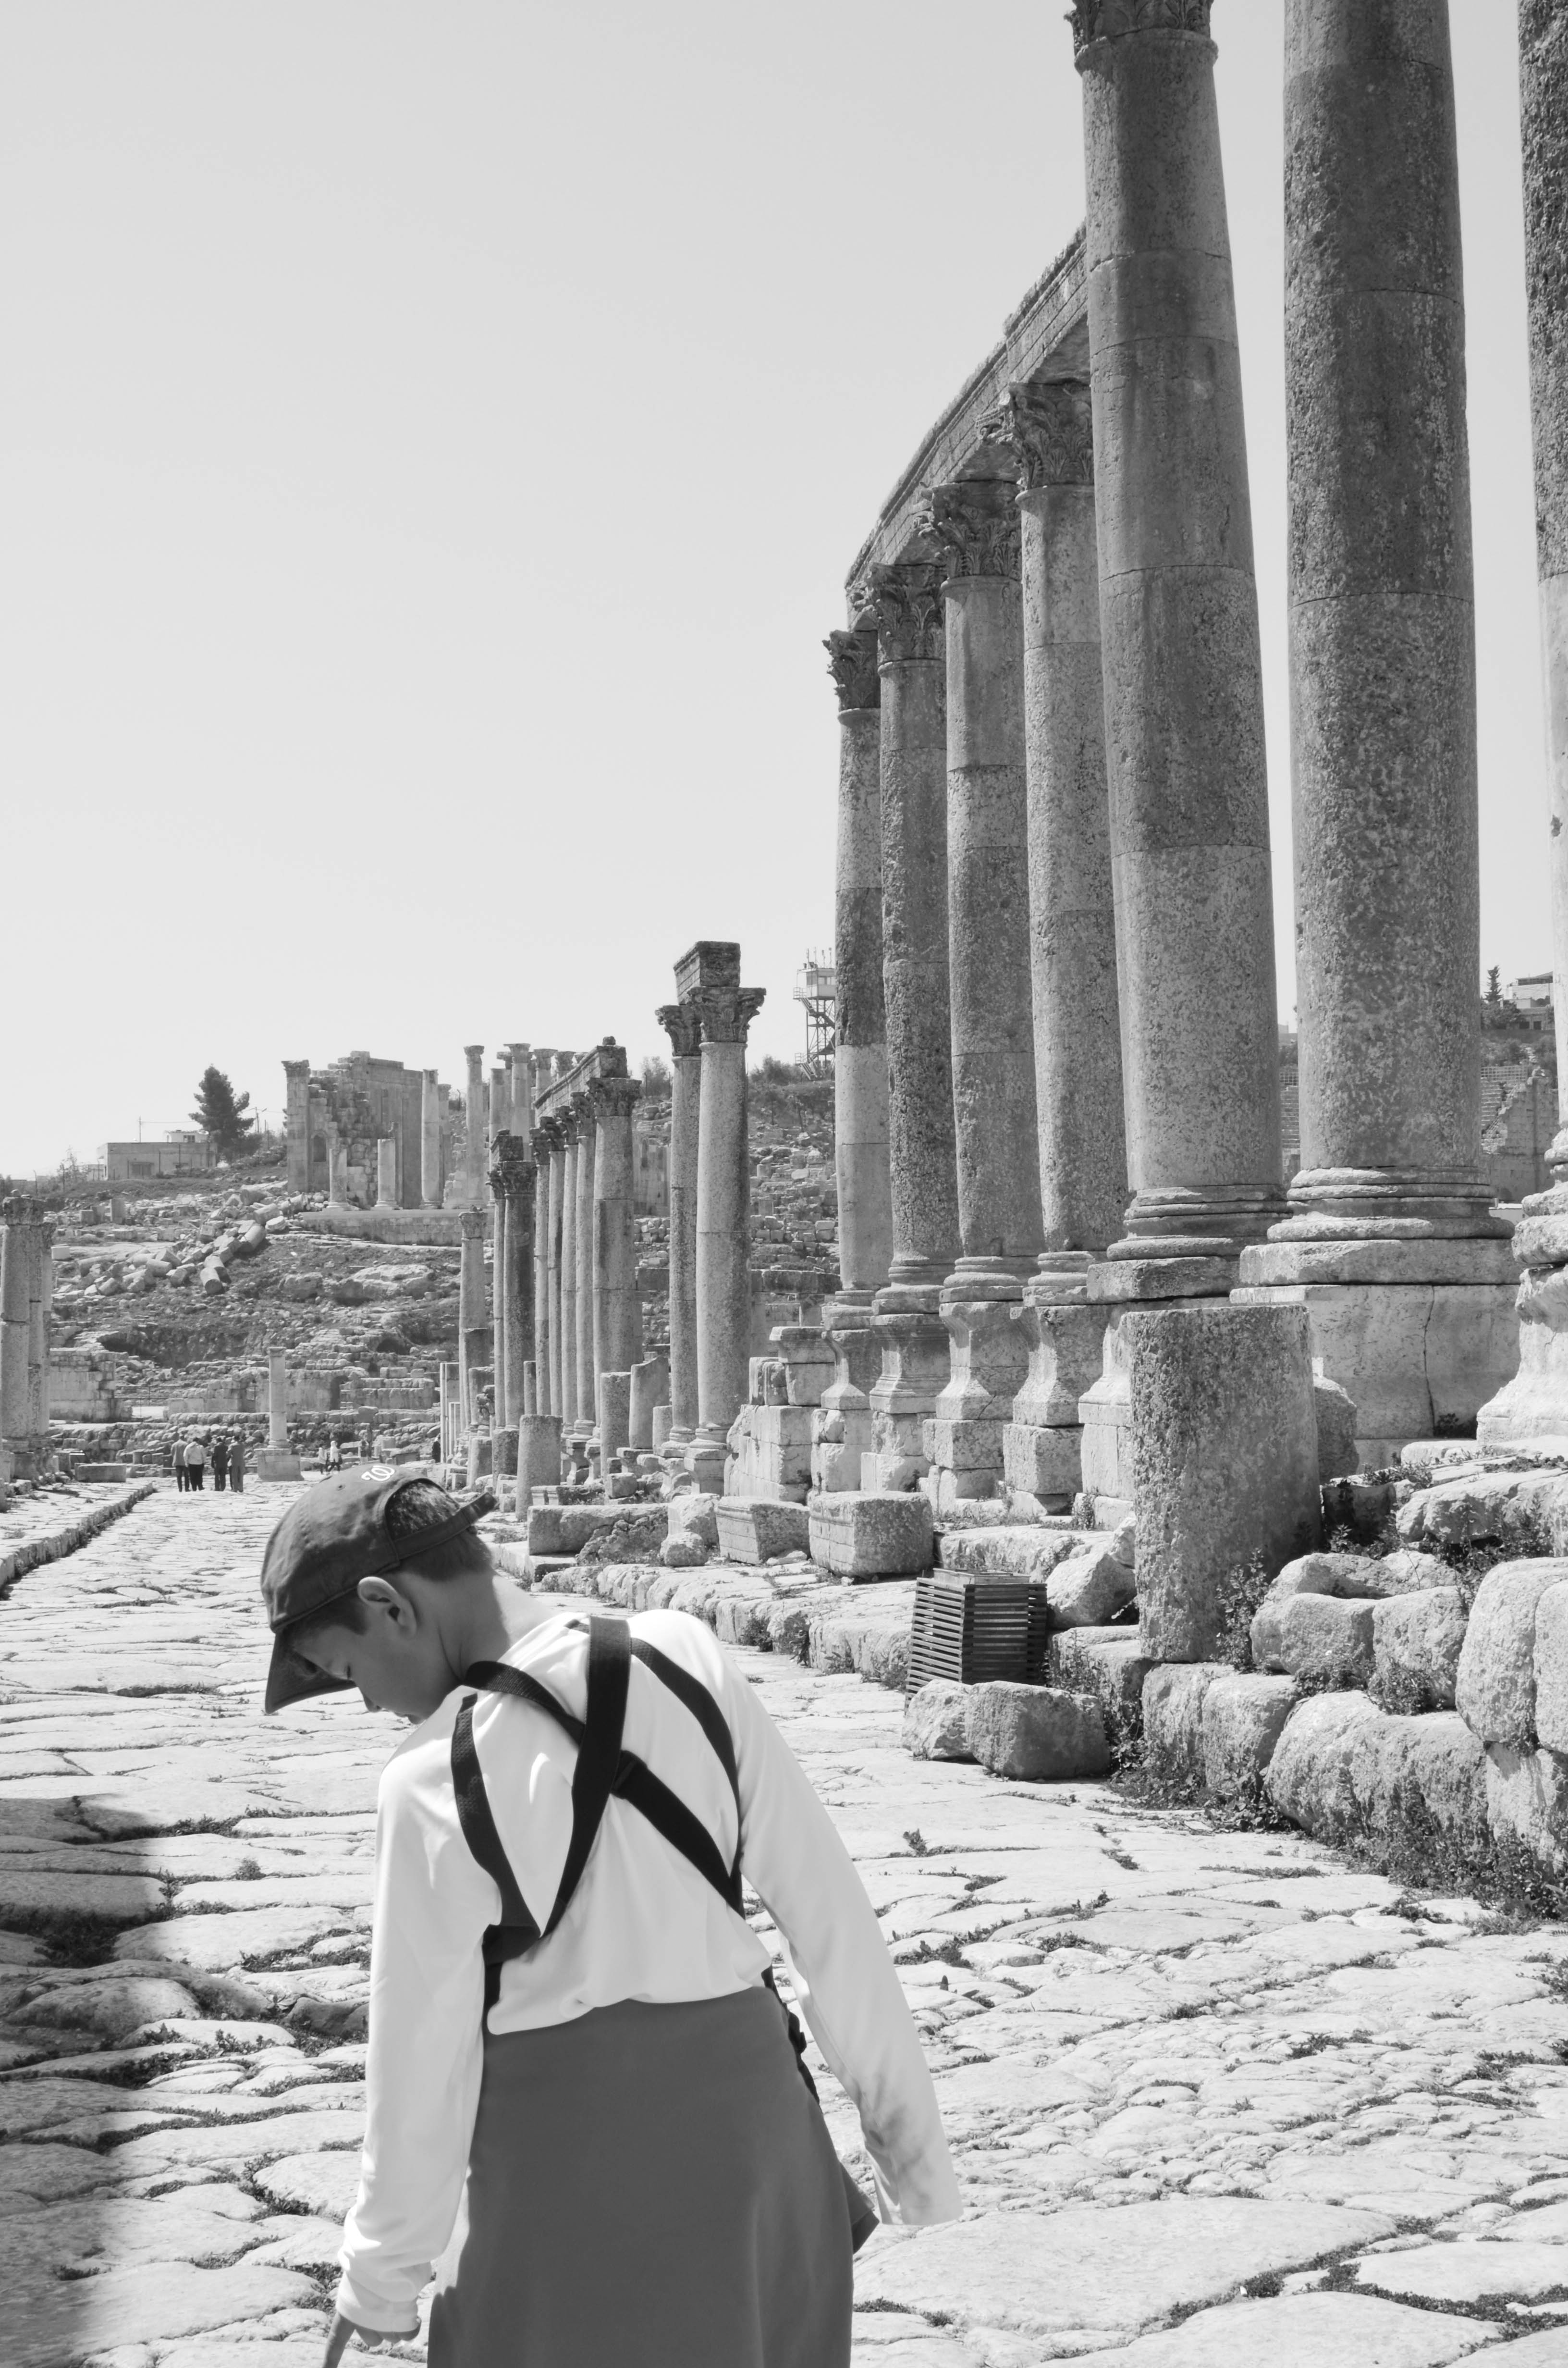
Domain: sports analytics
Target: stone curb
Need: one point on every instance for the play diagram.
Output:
(56, 1543)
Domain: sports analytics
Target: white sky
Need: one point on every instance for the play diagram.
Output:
(432, 440)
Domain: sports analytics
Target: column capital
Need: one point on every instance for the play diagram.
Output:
(471, 1222)
(1049, 426)
(431, 1077)
(517, 1054)
(680, 1024)
(513, 1173)
(473, 1052)
(547, 1131)
(614, 1097)
(295, 1069)
(852, 663)
(1108, 20)
(903, 603)
(976, 523)
(725, 1013)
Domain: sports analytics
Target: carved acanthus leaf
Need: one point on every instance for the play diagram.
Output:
(681, 1025)
(1049, 426)
(976, 522)
(852, 661)
(726, 1013)
(1108, 21)
(903, 603)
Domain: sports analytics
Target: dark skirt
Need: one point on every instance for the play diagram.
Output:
(652, 2186)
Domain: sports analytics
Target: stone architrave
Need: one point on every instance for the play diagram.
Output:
(386, 1172)
(905, 604)
(680, 1024)
(276, 1460)
(1534, 1404)
(297, 1123)
(476, 1333)
(544, 1318)
(618, 1313)
(1390, 1241)
(860, 1052)
(473, 1126)
(975, 522)
(1183, 683)
(1077, 1047)
(520, 1080)
(583, 1246)
(430, 1140)
(709, 978)
(566, 1238)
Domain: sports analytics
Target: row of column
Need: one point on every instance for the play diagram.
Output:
(585, 1256)
(27, 1294)
(1063, 877)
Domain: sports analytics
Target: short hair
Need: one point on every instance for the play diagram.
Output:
(420, 1506)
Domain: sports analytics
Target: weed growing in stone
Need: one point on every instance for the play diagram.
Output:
(1240, 1594)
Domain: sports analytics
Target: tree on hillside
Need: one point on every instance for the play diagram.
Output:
(1493, 991)
(219, 1115)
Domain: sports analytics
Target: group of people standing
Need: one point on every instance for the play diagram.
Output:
(189, 1459)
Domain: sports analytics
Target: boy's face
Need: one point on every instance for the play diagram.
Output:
(398, 1662)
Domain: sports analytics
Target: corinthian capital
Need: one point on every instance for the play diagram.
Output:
(725, 1013)
(852, 663)
(1108, 21)
(513, 1173)
(614, 1097)
(904, 603)
(680, 1024)
(976, 522)
(1048, 425)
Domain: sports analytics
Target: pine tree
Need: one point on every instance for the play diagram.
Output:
(222, 1117)
(1493, 989)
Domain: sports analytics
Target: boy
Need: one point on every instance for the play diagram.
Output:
(567, 2006)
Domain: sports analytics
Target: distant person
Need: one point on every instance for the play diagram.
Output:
(237, 1464)
(219, 1460)
(176, 1465)
(195, 1463)
(334, 1454)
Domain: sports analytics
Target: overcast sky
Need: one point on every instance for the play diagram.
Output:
(432, 440)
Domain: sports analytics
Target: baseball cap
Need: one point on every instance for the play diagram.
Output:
(331, 1537)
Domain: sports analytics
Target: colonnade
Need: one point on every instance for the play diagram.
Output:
(1052, 669)
(27, 1293)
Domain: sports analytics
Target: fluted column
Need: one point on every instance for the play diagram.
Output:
(430, 1141)
(860, 1052)
(1077, 1050)
(709, 978)
(1183, 688)
(583, 1243)
(618, 1315)
(905, 604)
(680, 1024)
(566, 1238)
(473, 1126)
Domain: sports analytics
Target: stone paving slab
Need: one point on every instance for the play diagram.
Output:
(1214, 2097)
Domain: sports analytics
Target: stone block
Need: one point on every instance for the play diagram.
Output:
(1524, 1510)
(1065, 1343)
(1335, 1412)
(1494, 1690)
(683, 1550)
(789, 1630)
(1309, 1774)
(1042, 1463)
(752, 1529)
(770, 1454)
(1224, 1453)
(1527, 1803)
(1314, 1574)
(1173, 1695)
(967, 1446)
(1105, 1411)
(1552, 1669)
(694, 1515)
(539, 1455)
(1244, 1717)
(1532, 1409)
(277, 1463)
(1036, 1732)
(1008, 1550)
(1417, 1643)
(742, 1620)
(1088, 1589)
(1406, 1571)
(809, 1363)
(1326, 1640)
(887, 1536)
(1343, 1769)
(935, 1721)
(1106, 1664)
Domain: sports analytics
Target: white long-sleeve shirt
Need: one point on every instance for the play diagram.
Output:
(643, 1924)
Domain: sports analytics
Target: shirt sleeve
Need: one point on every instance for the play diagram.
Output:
(845, 1978)
(433, 1906)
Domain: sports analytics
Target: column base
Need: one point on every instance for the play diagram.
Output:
(277, 1463)
(1420, 1334)
(1387, 1204)
(914, 1286)
(1214, 1224)
(990, 1358)
(916, 1365)
(771, 1455)
(705, 1460)
(990, 1279)
(1065, 1333)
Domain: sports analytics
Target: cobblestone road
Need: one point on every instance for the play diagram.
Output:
(1215, 2098)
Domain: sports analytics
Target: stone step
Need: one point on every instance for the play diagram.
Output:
(1023, 1552)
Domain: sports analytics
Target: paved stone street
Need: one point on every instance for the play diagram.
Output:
(1214, 2097)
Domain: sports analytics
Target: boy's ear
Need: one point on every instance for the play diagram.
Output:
(382, 1596)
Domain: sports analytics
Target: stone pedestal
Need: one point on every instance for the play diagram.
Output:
(915, 1362)
(1390, 1242)
(275, 1460)
(708, 978)
(990, 1359)
(842, 1431)
(860, 1053)
(386, 1172)
(1178, 620)
(770, 1454)
(1043, 1443)
(679, 1022)
(539, 1455)
(430, 1140)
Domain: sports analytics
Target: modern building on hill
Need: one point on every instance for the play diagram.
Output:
(175, 1155)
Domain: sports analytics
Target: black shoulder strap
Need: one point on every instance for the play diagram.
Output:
(599, 1752)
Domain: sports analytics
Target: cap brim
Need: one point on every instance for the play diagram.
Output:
(291, 1678)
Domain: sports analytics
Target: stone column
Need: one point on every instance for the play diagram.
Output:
(679, 1021)
(521, 1085)
(16, 1308)
(450, 1391)
(709, 977)
(41, 1303)
(544, 1313)
(386, 1172)
(563, 1244)
(336, 1171)
(473, 1126)
(474, 1335)
(500, 1104)
(1534, 1404)
(1390, 1241)
(297, 1123)
(1183, 688)
(1077, 1048)
(513, 1290)
(276, 1460)
(430, 1141)
(860, 1052)
(995, 1129)
(905, 604)
(501, 1411)
(582, 1241)
(618, 1313)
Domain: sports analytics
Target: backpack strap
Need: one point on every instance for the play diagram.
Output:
(599, 1752)
(516, 1930)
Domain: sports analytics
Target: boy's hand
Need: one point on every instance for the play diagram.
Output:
(372, 2338)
